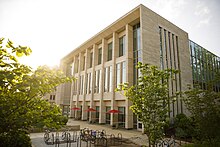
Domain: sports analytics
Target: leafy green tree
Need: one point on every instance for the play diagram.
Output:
(150, 99)
(21, 92)
(204, 106)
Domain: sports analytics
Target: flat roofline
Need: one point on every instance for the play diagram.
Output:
(102, 31)
(204, 48)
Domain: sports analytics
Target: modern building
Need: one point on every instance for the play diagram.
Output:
(109, 58)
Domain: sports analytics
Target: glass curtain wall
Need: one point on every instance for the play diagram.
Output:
(137, 51)
(205, 66)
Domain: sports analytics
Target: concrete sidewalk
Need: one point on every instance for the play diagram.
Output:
(134, 138)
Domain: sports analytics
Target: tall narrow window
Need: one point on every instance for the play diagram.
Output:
(123, 72)
(122, 46)
(76, 65)
(81, 84)
(97, 84)
(87, 82)
(72, 69)
(137, 51)
(109, 51)
(107, 115)
(97, 114)
(99, 56)
(75, 87)
(118, 74)
(80, 80)
(106, 80)
(84, 62)
(90, 83)
(161, 50)
(121, 117)
(110, 78)
(91, 57)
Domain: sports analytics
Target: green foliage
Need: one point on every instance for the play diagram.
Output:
(14, 138)
(150, 99)
(183, 126)
(21, 92)
(204, 106)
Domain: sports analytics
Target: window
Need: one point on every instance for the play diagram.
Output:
(106, 80)
(97, 81)
(122, 46)
(108, 116)
(91, 57)
(110, 78)
(84, 63)
(75, 87)
(52, 97)
(88, 83)
(123, 72)
(99, 56)
(137, 51)
(121, 117)
(118, 74)
(109, 52)
(161, 50)
(76, 64)
(81, 84)
(97, 114)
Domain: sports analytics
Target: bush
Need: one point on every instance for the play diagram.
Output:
(183, 126)
(15, 139)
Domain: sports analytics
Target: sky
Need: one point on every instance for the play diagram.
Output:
(53, 28)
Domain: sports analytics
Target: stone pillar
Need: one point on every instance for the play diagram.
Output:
(92, 115)
(72, 93)
(77, 71)
(101, 86)
(129, 71)
(115, 49)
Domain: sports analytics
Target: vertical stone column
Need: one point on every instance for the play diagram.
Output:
(84, 106)
(101, 86)
(94, 48)
(78, 85)
(115, 50)
(72, 87)
(129, 71)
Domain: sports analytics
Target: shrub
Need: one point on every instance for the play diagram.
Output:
(15, 139)
(183, 126)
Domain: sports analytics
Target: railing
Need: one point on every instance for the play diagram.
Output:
(54, 138)
(169, 142)
(86, 136)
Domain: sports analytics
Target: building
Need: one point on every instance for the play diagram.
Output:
(50, 97)
(109, 58)
(205, 65)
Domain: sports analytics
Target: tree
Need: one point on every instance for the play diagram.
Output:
(204, 106)
(21, 92)
(150, 99)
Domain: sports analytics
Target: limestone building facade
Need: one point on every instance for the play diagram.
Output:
(109, 58)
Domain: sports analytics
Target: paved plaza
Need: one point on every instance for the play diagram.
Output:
(131, 138)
